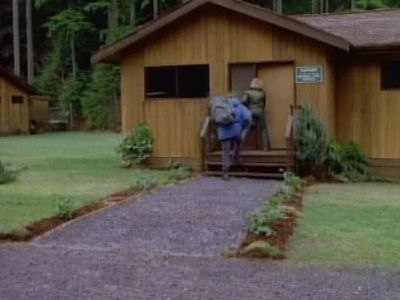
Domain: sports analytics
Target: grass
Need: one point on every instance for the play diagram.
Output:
(80, 166)
(349, 224)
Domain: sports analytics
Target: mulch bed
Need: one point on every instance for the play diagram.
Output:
(48, 224)
(283, 229)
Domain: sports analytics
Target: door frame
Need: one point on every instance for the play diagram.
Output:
(257, 63)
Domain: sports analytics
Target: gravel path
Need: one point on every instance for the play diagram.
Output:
(204, 216)
(167, 245)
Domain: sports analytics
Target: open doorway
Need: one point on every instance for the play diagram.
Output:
(278, 79)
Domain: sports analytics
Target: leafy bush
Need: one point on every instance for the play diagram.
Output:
(178, 174)
(311, 141)
(260, 222)
(176, 164)
(293, 181)
(143, 183)
(100, 104)
(72, 91)
(137, 146)
(348, 160)
(6, 175)
(65, 207)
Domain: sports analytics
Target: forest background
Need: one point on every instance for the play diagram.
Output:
(49, 43)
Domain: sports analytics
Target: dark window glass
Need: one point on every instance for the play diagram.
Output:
(160, 82)
(193, 81)
(17, 99)
(177, 81)
(391, 75)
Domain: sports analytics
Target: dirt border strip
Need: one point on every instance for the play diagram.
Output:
(284, 229)
(47, 226)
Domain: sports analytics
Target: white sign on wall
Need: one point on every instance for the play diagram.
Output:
(309, 74)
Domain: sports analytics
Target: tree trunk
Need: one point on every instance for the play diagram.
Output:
(29, 42)
(155, 9)
(133, 13)
(73, 58)
(17, 56)
(353, 4)
(321, 6)
(277, 6)
(314, 6)
(113, 14)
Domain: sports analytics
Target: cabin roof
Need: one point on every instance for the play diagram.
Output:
(374, 30)
(19, 82)
(112, 53)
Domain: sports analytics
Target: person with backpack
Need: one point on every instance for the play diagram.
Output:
(254, 99)
(231, 118)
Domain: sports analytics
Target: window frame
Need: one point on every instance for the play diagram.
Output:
(176, 82)
(382, 75)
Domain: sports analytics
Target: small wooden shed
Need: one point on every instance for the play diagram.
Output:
(19, 104)
(210, 47)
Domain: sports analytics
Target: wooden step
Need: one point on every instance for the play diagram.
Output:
(251, 164)
(247, 174)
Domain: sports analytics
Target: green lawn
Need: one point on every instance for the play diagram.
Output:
(349, 224)
(81, 166)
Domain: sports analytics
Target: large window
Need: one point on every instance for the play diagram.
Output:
(177, 81)
(17, 99)
(390, 75)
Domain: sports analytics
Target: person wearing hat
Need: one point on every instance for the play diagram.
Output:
(254, 99)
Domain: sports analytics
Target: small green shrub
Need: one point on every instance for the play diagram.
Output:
(347, 160)
(260, 222)
(137, 146)
(143, 183)
(178, 174)
(176, 164)
(293, 181)
(65, 207)
(311, 141)
(6, 175)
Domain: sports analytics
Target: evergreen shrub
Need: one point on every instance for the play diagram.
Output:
(311, 141)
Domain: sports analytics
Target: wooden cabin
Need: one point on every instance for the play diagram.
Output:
(19, 103)
(171, 66)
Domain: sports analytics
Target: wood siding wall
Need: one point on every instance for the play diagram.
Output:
(39, 109)
(366, 114)
(14, 118)
(216, 37)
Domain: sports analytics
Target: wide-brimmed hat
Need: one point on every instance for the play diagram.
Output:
(257, 83)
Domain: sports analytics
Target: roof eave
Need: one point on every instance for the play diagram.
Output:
(111, 53)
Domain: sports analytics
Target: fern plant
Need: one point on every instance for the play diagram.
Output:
(348, 160)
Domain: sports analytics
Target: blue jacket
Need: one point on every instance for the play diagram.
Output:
(242, 120)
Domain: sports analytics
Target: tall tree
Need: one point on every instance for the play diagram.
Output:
(156, 10)
(29, 41)
(68, 26)
(16, 41)
(132, 20)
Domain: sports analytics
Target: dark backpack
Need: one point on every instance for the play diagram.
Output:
(221, 111)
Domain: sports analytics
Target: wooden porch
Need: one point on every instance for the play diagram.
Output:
(254, 163)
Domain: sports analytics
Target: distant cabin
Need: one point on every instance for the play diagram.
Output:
(20, 103)
(346, 65)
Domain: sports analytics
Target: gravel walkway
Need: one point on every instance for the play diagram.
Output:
(167, 245)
